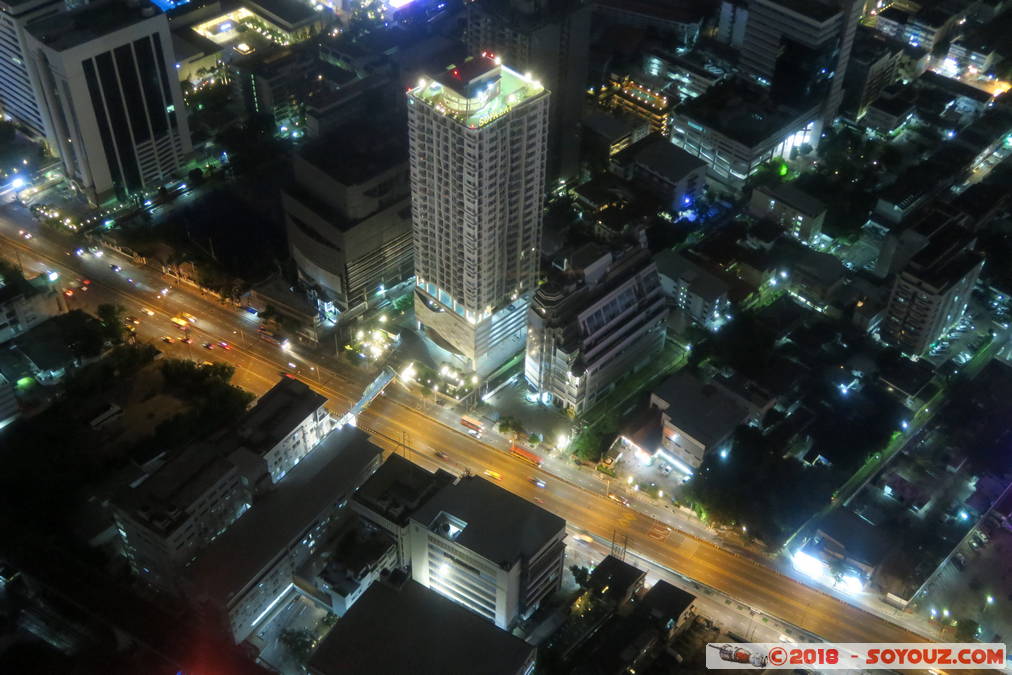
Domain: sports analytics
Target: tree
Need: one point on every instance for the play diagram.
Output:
(511, 425)
(299, 643)
(966, 630)
(196, 177)
(837, 568)
(534, 439)
(581, 575)
(111, 318)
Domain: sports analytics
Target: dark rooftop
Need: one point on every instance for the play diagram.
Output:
(738, 111)
(613, 578)
(292, 12)
(862, 541)
(813, 9)
(70, 29)
(278, 412)
(367, 148)
(701, 410)
(400, 487)
(500, 526)
(415, 630)
(660, 155)
(796, 198)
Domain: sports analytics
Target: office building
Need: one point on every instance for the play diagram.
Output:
(164, 521)
(691, 73)
(478, 133)
(600, 318)
(488, 550)
(800, 50)
(115, 112)
(393, 494)
(19, 89)
(250, 569)
(931, 293)
(699, 293)
(736, 129)
(797, 212)
(551, 40)
(284, 425)
(414, 630)
(348, 217)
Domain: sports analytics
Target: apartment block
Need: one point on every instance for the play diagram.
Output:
(598, 319)
(800, 214)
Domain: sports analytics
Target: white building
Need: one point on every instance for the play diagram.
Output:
(478, 135)
(600, 319)
(487, 549)
(19, 92)
(114, 110)
(250, 569)
(931, 293)
(701, 295)
(284, 425)
(24, 304)
(164, 521)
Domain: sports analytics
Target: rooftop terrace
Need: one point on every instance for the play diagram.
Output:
(477, 92)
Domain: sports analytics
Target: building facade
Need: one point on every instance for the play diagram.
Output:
(24, 305)
(801, 50)
(701, 295)
(115, 111)
(348, 219)
(488, 550)
(931, 293)
(632, 97)
(600, 320)
(19, 89)
(800, 214)
(478, 135)
(550, 40)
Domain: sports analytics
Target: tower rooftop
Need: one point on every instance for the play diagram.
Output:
(476, 92)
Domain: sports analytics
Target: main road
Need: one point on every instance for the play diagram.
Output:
(399, 426)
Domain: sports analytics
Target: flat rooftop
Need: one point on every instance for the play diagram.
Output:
(91, 22)
(399, 487)
(795, 198)
(702, 282)
(500, 526)
(740, 112)
(277, 413)
(291, 12)
(813, 9)
(415, 630)
(367, 149)
(476, 92)
(329, 473)
(661, 156)
(700, 410)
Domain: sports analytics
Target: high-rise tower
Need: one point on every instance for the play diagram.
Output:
(114, 110)
(478, 134)
(19, 96)
(800, 49)
(550, 38)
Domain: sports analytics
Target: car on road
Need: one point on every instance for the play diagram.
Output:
(115, 268)
(585, 538)
(442, 455)
(665, 469)
(68, 292)
(134, 320)
(619, 498)
(189, 317)
(474, 432)
(186, 340)
(147, 311)
(224, 345)
(168, 339)
(208, 345)
(493, 474)
(538, 482)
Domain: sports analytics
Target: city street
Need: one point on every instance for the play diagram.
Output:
(400, 426)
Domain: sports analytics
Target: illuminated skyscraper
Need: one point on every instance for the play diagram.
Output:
(478, 135)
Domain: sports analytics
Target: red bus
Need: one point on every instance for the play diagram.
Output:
(472, 424)
(271, 337)
(525, 455)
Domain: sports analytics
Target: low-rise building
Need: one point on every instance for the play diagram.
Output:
(664, 170)
(251, 568)
(362, 554)
(735, 130)
(800, 214)
(702, 295)
(600, 318)
(606, 135)
(393, 494)
(874, 65)
(488, 550)
(640, 97)
(24, 304)
(687, 420)
(414, 630)
(284, 425)
(692, 73)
